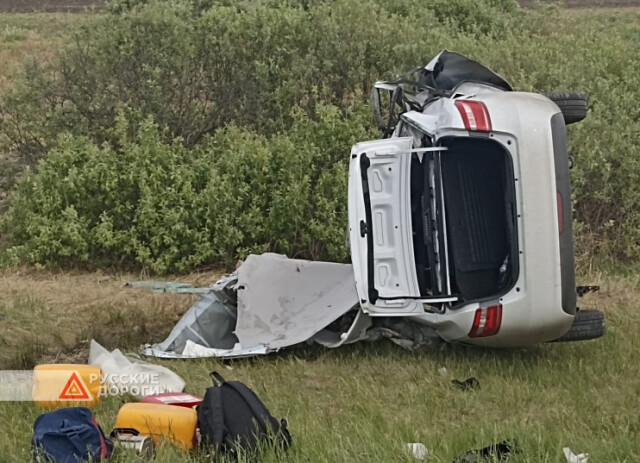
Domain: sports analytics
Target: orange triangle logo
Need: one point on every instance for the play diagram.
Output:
(75, 389)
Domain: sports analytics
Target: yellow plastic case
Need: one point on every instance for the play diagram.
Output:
(66, 385)
(160, 422)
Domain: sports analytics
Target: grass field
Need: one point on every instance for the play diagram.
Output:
(25, 37)
(359, 403)
(60, 6)
(92, 5)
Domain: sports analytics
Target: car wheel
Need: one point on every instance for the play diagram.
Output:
(572, 104)
(587, 324)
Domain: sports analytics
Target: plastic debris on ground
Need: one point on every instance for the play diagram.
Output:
(417, 450)
(120, 372)
(209, 323)
(469, 383)
(573, 458)
(407, 332)
(179, 399)
(583, 290)
(496, 452)
(167, 287)
(282, 302)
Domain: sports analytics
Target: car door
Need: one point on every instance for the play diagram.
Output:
(380, 228)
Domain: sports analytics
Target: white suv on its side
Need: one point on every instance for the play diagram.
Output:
(460, 217)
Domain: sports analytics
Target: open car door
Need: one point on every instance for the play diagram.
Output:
(380, 228)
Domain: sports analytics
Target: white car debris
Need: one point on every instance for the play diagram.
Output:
(573, 458)
(417, 450)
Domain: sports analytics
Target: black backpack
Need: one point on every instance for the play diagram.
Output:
(234, 421)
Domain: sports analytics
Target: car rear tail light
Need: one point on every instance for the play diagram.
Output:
(560, 213)
(474, 115)
(486, 322)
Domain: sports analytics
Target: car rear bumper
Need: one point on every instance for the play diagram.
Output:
(524, 323)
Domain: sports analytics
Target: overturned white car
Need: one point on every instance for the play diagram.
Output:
(459, 226)
(460, 217)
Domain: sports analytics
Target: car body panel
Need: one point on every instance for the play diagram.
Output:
(532, 307)
(387, 172)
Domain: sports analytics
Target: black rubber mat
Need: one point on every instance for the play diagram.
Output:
(473, 173)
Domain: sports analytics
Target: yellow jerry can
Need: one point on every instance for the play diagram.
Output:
(160, 422)
(66, 385)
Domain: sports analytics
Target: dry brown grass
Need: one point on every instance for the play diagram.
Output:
(66, 6)
(74, 292)
(618, 298)
(32, 37)
(52, 315)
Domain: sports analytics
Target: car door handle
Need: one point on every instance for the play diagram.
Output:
(363, 228)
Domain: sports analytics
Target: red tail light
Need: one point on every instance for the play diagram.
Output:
(474, 115)
(560, 213)
(486, 322)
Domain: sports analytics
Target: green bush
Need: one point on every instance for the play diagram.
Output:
(474, 17)
(228, 167)
(198, 65)
(171, 209)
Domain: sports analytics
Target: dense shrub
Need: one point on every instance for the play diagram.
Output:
(228, 167)
(196, 65)
(170, 208)
(474, 17)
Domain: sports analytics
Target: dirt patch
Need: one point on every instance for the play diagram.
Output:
(58, 6)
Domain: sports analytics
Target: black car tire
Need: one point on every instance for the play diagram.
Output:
(587, 324)
(572, 104)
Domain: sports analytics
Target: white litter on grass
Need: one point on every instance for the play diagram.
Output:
(193, 350)
(124, 374)
(443, 371)
(573, 458)
(417, 449)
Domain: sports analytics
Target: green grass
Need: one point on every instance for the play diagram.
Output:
(28, 36)
(361, 403)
